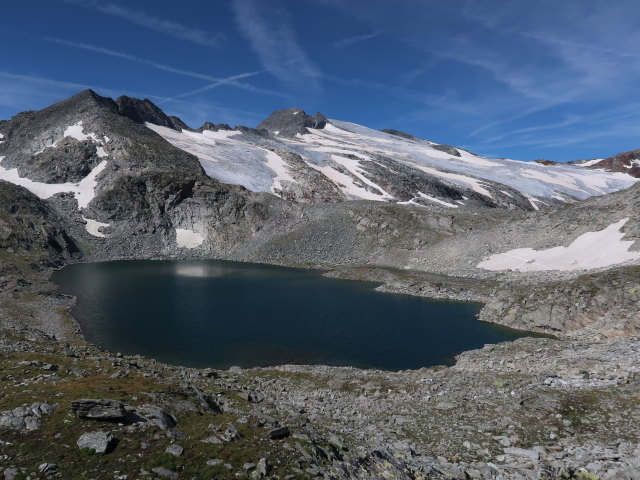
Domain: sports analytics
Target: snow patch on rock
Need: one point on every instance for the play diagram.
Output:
(588, 163)
(220, 134)
(280, 167)
(188, 238)
(84, 191)
(77, 131)
(463, 180)
(93, 227)
(437, 200)
(599, 249)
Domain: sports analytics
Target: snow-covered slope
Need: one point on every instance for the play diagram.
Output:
(366, 164)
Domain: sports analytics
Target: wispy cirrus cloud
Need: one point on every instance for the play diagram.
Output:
(354, 40)
(232, 80)
(528, 60)
(269, 31)
(144, 19)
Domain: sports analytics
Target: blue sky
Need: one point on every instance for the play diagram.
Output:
(546, 79)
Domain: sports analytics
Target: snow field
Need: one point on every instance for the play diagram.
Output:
(591, 250)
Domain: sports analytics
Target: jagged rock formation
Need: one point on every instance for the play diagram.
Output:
(292, 122)
(141, 111)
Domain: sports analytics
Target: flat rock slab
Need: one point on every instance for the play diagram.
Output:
(99, 442)
(99, 409)
(522, 452)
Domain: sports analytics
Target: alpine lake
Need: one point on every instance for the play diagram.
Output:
(220, 314)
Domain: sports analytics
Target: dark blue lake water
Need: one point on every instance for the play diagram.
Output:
(219, 314)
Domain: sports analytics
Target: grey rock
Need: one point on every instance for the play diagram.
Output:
(290, 122)
(278, 433)
(399, 133)
(231, 433)
(100, 442)
(212, 439)
(25, 418)
(99, 409)
(447, 149)
(521, 452)
(154, 415)
(262, 469)
(48, 468)
(10, 473)
(253, 397)
(165, 473)
(141, 111)
(174, 449)
(213, 127)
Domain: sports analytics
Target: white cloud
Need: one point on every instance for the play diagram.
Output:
(215, 81)
(265, 24)
(144, 19)
(349, 41)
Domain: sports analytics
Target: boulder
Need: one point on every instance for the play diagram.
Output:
(175, 450)
(100, 442)
(99, 409)
(154, 415)
(231, 434)
(165, 473)
(278, 433)
(262, 469)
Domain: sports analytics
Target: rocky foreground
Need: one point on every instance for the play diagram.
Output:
(536, 408)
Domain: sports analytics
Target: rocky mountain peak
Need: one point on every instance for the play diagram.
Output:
(290, 122)
(85, 103)
(141, 111)
(214, 127)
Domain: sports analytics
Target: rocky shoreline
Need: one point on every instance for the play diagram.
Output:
(533, 408)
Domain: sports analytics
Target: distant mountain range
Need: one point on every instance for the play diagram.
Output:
(311, 159)
(133, 182)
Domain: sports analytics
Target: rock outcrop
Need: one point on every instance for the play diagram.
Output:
(291, 122)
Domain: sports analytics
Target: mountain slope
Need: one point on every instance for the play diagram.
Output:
(627, 162)
(311, 159)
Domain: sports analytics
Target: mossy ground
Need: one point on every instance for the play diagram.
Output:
(136, 449)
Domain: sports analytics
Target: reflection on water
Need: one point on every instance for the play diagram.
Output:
(201, 269)
(218, 314)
